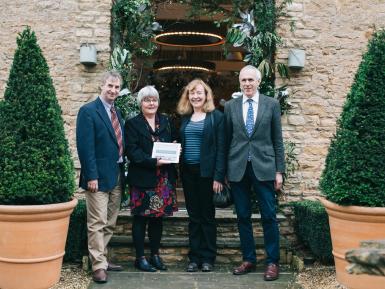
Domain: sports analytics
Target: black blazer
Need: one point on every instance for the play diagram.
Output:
(212, 159)
(142, 168)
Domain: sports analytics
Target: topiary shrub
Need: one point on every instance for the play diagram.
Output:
(35, 162)
(76, 245)
(354, 172)
(312, 228)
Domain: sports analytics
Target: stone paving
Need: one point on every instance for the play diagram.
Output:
(175, 278)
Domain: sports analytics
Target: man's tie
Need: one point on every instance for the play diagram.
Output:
(250, 118)
(250, 123)
(117, 130)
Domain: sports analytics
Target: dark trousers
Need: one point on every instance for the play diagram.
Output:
(266, 199)
(202, 227)
(155, 229)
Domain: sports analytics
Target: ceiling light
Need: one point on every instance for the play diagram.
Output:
(190, 34)
(167, 65)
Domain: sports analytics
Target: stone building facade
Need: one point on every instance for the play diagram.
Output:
(333, 33)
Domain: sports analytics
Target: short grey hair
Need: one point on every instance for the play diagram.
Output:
(111, 74)
(253, 68)
(147, 91)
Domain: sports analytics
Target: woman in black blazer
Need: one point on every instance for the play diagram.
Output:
(152, 181)
(202, 170)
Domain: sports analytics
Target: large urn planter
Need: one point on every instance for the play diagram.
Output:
(32, 242)
(349, 225)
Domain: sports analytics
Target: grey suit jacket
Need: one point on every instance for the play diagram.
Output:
(265, 143)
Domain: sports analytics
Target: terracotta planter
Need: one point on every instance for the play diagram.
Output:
(349, 225)
(32, 242)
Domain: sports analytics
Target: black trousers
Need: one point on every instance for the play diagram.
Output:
(202, 227)
(155, 229)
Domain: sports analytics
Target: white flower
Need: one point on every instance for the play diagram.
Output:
(124, 91)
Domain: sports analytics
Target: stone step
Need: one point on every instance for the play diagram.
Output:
(177, 225)
(212, 280)
(174, 245)
(175, 241)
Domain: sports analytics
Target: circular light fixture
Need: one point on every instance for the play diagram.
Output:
(189, 34)
(167, 65)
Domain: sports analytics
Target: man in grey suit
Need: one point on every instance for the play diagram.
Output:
(255, 156)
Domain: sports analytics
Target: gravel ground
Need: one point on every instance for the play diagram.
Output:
(73, 277)
(316, 276)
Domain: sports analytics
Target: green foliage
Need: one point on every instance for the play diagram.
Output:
(133, 26)
(35, 162)
(256, 34)
(76, 245)
(290, 158)
(121, 60)
(312, 228)
(251, 26)
(354, 173)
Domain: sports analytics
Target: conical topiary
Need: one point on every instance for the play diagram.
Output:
(354, 173)
(35, 162)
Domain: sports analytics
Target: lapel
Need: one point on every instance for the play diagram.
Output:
(207, 124)
(141, 126)
(184, 122)
(104, 116)
(163, 123)
(239, 114)
(261, 110)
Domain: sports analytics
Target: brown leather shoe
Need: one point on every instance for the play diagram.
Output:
(271, 272)
(99, 276)
(114, 267)
(244, 268)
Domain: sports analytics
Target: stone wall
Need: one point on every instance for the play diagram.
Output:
(60, 27)
(334, 35)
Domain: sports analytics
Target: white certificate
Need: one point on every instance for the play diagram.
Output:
(166, 151)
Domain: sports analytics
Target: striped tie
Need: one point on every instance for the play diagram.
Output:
(116, 127)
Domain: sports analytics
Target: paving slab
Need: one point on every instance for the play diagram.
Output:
(174, 279)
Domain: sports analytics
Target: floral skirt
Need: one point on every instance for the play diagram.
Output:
(155, 202)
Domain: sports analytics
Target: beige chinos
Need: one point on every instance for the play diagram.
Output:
(102, 213)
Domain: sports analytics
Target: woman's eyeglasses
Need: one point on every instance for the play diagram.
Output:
(149, 100)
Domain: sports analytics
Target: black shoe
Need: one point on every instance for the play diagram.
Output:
(192, 267)
(143, 265)
(157, 262)
(207, 267)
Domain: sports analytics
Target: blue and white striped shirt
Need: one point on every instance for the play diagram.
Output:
(193, 136)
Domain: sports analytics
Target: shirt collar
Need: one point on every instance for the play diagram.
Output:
(255, 98)
(106, 105)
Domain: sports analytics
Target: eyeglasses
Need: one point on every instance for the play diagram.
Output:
(149, 100)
